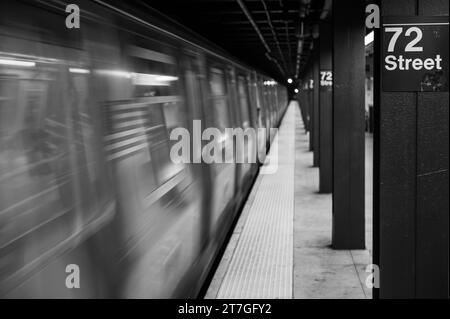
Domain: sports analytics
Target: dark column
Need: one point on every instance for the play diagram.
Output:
(411, 178)
(310, 95)
(325, 112)
(315, 105)
(348, 124)
(301, 97)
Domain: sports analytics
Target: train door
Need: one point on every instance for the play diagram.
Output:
(236, 119)
(219, 117)
(159, 203)
(260, 118)
(196, 90)
(251, 87)
(273, 110)
(276, 104)
(263, 106)
(55, 192)
(248, 148)
(268, 108)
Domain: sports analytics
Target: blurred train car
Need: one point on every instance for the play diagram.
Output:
(85, 171)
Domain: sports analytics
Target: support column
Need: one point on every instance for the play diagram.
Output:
(310, 97)
(315, 103)
(325, 111)
(348, 229)
(302, 101)
(411, 181)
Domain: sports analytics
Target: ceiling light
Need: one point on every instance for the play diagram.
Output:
(17, 63)
(79, 71)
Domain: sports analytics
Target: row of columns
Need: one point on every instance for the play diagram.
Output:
(410, 210)
(332, 103)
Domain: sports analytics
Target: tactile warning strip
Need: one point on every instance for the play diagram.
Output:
(262, 263)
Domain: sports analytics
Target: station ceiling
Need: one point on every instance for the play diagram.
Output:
(275, 36)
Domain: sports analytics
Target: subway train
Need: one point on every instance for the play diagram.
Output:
(91, 204)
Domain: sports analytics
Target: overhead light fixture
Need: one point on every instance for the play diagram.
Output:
(369, 38)
(17, 63)
(114, 73)
(153, 79)
(167, 78)
(296, 90)
(289, 81)
(79, 71)
(141, 79)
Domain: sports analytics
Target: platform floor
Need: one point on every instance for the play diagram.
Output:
(280, 247)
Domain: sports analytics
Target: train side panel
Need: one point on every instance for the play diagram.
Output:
(87, 175)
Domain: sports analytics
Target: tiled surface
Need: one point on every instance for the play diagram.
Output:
(280, 246)
(261, 265)
(231, 246)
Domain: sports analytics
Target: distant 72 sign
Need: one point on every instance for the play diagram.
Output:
(326, 78)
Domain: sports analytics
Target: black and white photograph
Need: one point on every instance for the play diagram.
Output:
(236, 157)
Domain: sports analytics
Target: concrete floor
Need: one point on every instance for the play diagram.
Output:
(319, 271)
(261, 266)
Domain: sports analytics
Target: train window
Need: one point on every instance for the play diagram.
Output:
(243, 102)
(219, 99)
(259, 107)
(142, 117)
(157, 86)
(268, 108)
(8, 93)
(86, 134)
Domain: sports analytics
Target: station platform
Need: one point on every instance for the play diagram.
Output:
(280, 247)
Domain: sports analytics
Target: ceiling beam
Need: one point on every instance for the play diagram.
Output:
(268, 52)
